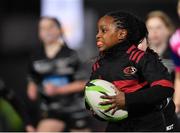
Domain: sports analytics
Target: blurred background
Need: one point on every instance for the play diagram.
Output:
(18, 36)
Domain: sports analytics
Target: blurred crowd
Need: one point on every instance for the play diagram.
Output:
(56, 77)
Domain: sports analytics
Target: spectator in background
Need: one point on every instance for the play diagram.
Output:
(175, 47)
(160, 28)
(56, 74)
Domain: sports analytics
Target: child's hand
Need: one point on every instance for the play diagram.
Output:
(50, 89)
(32, 91)
(117, 101)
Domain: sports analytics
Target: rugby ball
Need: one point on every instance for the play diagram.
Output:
(96, 88)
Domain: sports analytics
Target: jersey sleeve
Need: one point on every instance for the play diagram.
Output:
(32, 75)
(153, 71)
(80, 68)
(156, 74)
(94, 72)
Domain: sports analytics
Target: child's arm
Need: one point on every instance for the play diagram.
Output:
(156, 74)
(152, 70)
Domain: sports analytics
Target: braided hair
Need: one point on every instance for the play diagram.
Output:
(136, 28)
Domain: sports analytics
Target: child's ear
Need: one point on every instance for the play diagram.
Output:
(122, 33)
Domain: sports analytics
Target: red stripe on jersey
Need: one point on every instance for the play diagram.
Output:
(139, 57)
(132, 54)
(130, 49)
(135, 88)
(135, 55)
(163, 82)
(97, 64)
(128, 86)
(94, 67)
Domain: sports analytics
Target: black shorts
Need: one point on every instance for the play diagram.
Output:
(69, 109)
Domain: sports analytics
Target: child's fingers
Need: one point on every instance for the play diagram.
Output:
(107, 102)
(107, 97)
(114, 110)
(112, 107)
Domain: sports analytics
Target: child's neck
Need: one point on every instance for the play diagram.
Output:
(159, 49)
(52, 49)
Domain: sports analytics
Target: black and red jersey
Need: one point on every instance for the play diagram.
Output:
(140, 75)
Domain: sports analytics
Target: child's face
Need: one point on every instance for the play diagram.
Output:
(49, 32)
(108, 34)
(158, 31)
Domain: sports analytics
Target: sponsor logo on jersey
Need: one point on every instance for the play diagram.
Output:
(130, 70)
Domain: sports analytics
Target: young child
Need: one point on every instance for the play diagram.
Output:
(142, 81)
(57, 76)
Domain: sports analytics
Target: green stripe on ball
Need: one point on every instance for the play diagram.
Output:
(96, 88)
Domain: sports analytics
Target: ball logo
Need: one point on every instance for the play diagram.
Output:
(130, 70)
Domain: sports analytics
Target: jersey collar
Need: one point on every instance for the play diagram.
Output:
(117, 50)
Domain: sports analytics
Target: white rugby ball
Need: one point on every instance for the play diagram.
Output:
(96, 88)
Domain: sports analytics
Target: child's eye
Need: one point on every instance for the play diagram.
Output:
(104, 30)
